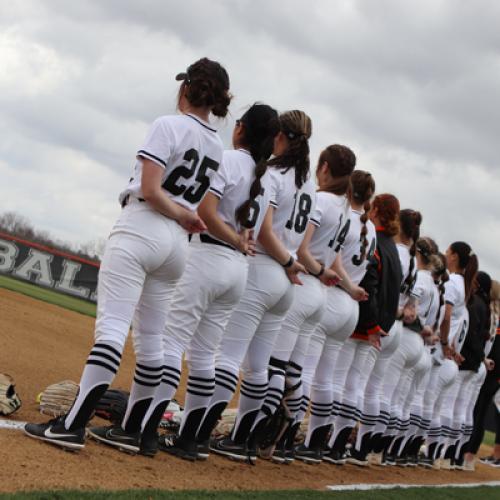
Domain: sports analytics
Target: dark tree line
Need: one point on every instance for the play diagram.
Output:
(20, 226)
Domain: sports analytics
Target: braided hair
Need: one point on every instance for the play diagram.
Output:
(410, 221)
(441, 276)
(362, 190)
(297, 127)
(260, 127)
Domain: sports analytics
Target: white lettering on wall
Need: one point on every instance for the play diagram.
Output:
(8, 254)
(36, 268)
(66, 282)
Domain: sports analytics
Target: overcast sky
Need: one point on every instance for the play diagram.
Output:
(412, 87)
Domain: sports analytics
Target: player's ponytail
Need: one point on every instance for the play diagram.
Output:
(341, 162)
(410, 221)
(362, 190)
(441, 276)
(467, 263)
(428, 250)
(260, 127)
(387, 207)
(297, 128)
(206, 84)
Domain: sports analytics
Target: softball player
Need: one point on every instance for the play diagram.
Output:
(462, 264)
(145, 256)
(328, 227)
(205, 297)
(340, 317)
(375, 413)
(256, 321)
(411, 362)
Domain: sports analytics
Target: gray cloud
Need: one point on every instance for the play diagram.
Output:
(413, 89)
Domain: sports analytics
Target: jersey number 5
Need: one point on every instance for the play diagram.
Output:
(302, 217)
(191, 193)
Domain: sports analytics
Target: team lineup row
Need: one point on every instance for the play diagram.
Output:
(323, 296)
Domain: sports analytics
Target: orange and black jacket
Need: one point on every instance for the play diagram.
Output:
(382, 281)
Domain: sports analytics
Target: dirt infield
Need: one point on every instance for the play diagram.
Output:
(41, 344)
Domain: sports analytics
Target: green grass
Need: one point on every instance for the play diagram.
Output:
(50, 296)
(489, 438)
(395, 494)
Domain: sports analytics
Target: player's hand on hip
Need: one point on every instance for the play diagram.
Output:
(489, 363)
(359, 294)
(293, 271)
(329, 278)
(246, 243)
(374, 340)
(191, 221)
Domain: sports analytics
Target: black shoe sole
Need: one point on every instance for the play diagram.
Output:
(72, 447)
(179, 453)
(308, 460)
(234, 456)
(125, 448)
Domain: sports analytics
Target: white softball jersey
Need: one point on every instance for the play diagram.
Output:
(190, 152)
(293, 207)
(427, 295)
(454, 294)
(331, 217)
(351, 253)
(231, 184)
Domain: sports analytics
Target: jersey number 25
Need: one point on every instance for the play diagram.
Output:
(189, 191)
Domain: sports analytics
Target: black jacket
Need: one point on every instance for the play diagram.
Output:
(382, 281)
(477, 333)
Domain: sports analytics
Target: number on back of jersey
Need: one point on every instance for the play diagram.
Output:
(340, 236)
(254, 212)
(176, 183)
(356, 259)
(298, 221)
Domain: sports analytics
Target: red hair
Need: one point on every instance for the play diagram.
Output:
(387, 206)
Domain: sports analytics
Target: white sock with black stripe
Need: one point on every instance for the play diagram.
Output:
(225, 387)
(252, 393)
(199, 392)
(321, 407)
(170, 379)
(147, 378)
(101, 367)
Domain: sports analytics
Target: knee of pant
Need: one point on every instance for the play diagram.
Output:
(320, 384)
(148, 347)
(257, 376)
(199, 360)
(171, 347)
(114, 337)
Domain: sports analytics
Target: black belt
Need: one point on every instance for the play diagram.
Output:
(205, 238)
(127, 199)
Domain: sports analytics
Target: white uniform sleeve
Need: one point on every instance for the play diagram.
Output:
(221, 179)
(317, 211)
(159, 143)
(419, 287)
(450, 292)
(275, 178)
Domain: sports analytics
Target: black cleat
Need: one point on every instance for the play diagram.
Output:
(178, 447)
(114, 435)
(335, 457)
(357, 458)
(412, 460)
(149, 444)
(203, 450)
(427, 463)
(308, 455)
(401, 461)
(54, 432)
(228, 448)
